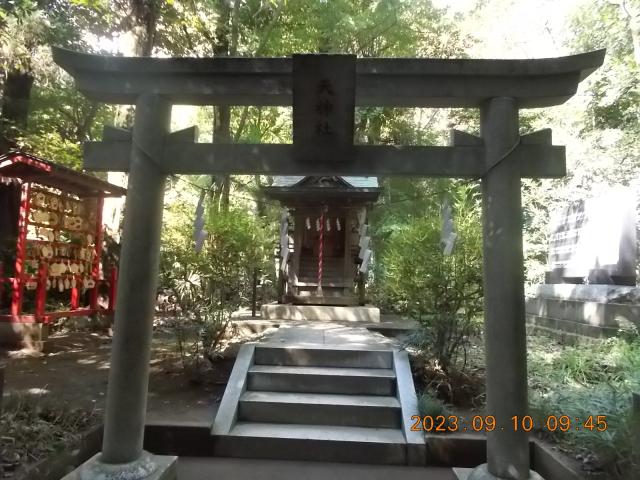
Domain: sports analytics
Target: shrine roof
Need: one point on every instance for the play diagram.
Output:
(291, 190)
(354, 182)
(34, 169)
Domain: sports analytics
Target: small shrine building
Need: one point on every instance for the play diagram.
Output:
(51, 239)
(324, 245)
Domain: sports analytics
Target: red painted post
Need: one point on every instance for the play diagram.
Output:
(113, 287)
(95, 273)
(41, 291)
(2, 282)
(21, 250)
(75, 298)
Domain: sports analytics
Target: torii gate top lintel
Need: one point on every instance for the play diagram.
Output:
(400, 82)
(323, 120)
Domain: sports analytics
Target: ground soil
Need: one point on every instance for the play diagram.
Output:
(75, 372)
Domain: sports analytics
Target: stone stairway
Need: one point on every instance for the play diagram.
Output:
(324, 403)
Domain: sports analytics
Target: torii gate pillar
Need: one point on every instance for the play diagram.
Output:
(122, 454)
(505, 329)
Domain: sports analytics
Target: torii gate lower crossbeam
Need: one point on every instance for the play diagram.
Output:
(501, 157)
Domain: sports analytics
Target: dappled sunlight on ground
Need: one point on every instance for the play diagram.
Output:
(75, 372)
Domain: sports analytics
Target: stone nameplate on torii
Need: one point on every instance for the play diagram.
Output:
(323, 107)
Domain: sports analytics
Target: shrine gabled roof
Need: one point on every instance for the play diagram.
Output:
(354, 182)
(291, 189)
(30, 168)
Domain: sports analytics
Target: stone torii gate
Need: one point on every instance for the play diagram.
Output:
(323, 89)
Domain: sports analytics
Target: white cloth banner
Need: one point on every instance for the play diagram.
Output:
(364, 245)
(450, 242)
(362, 216)
(285, 259)
(284, 242)
(364, 266)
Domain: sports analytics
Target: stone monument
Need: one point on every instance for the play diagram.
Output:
(594, 241)
(590, 284)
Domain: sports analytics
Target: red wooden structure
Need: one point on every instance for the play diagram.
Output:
(59, 240)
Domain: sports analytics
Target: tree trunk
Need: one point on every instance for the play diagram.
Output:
(222, 113)
(631, 11)
(15, 106)
(143, 26)
(634, 25)
(145, 20)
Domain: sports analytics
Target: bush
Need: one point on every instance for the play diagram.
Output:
(206, 286)
(591, 380)
(431, 406)
(442, 292)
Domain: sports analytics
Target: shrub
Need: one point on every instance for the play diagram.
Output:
(431, 406)
(442, 292)
(591, 380)
(207, 286)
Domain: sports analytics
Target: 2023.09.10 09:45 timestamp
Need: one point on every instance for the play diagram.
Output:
(488, 423)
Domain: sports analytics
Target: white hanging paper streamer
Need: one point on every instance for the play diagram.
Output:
(285, 259)
(338, 226)
(317, 224)
(363, 229)
(284, 232)
(362, 216)
(328, 225)
(364, 245)
(449, 244)
(447, 235)
(307, 222)
(364, 266)
(284, 223)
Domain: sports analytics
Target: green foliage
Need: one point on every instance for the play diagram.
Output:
(207, 286)
(431, 406)
(591, 380)
(379, 28)
(221, 273)
(443, 292)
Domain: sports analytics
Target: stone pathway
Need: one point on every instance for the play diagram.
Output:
(190, 468)
(321, 333)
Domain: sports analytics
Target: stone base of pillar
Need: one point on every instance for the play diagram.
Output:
(147, 467)
(482, 473)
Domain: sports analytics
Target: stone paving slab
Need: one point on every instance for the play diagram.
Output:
(191, 468)
(328, 333)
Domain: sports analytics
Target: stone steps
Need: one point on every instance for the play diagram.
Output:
(323, 403)
(341, 380)
(320, 409)
(326, 356)
(314, 443)
(337, 299)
